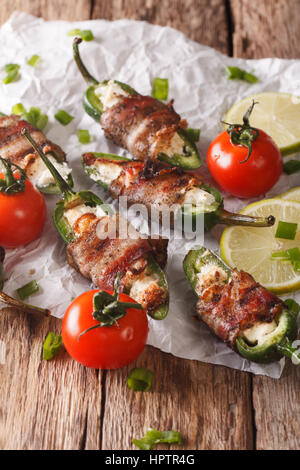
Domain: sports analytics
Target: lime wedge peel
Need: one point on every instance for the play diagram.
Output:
(249, 248)
(276, 113)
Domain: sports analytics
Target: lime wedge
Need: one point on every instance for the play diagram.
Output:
(250, 249)
(276, 113)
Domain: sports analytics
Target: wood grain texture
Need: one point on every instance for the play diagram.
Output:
(202, 20)
(210, 405)
(44, 404)
(277, 410)
(69, 10)
(266, 28)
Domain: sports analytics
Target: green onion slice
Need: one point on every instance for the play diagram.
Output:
(26, 291)
(51, 346)
(12, 71)
(292, 255)
(193, 134)
(42, 121)
(293, 306)
(63, 117)
(286, 230)
(83, 136)
(153, 437)
(34, 60)
(291, 167)
(235, 73)
(85, 34)
(140, 379)
(18, 109)
(160, 88)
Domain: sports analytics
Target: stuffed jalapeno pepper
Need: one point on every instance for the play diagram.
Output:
(14, 146)
(97, 249)
(249, 319)
(143, 125)
(156, 185)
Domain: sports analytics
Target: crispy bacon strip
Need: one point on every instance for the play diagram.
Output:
(231, 308)
(101, 259)
(142, 125)
(148, 182)
(15, 146)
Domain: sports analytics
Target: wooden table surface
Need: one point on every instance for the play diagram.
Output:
(62, 405)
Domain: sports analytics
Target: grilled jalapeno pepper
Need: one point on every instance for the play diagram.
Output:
(152, 183)
(144, 126)
(76, 218)
(252, 321)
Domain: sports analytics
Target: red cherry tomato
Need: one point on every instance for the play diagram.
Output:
(22, 216)
(252, 178)
(107, 347)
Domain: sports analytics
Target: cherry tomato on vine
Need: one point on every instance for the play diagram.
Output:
(22, 213)
(244, 161)
(103, 347)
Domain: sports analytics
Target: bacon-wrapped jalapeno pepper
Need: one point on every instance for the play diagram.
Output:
(242, 313)
(156, 185)
(102, 255)
(143, 125)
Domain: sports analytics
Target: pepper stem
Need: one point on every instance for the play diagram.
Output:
(63, 186)
(31, 309)
(10, 184)
(287, 349)
(82, 68)
(230, 218)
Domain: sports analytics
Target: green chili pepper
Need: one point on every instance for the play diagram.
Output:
(72, 199)
(26, 291)
(153, 437)
(93, 106)
(52, 345)
(140, 380)
(278, 343)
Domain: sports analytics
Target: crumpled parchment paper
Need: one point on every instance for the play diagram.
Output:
(135, 53)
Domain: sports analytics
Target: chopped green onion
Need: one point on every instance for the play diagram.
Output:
(12, 71)
(34, 60)
(33, 115)
(160, 88)
(193, 134)
(74, 32)
(279, 256)
(51, 346)
(292, 255)
(85, 34)
(83, 136)
(153, 437)
(235, 73)
(42, 121)
(140, 380)
(18, 109)
(63, 117)
(26, 291)
(293, 306)
(291, 167)
(286, 230)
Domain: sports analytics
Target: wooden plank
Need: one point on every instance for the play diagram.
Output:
(202, 20)
(209, 405)
(50, 10)
(44, 405)
(277, 410)
(265, 28)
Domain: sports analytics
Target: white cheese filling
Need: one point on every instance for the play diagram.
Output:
(39, 174)
(199, 197)
(259, 333)
(209, 275)
(175, 146)
(72, 215)
(141, 285)
(110, 94)
(106, 172)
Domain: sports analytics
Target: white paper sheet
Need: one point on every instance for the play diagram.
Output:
(135, 53)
